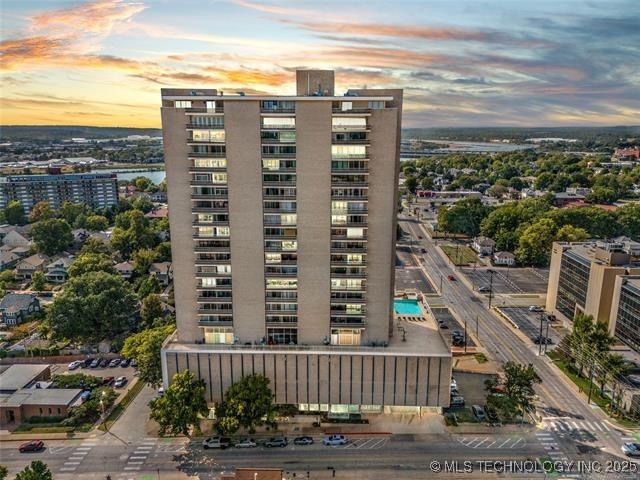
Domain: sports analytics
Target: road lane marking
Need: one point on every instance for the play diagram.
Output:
(137, 458)
(605, 426)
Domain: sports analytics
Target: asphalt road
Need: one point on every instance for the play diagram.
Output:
(557, 399)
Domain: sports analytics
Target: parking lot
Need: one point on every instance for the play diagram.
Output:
(509, 280)
(115, 372)
(529, 322)
(443, 314)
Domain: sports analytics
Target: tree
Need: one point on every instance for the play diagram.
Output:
(410, 184)
(91, 262)
(70, 211)
(93, 306)
(41, 211)
(141, 183)
(96, 223)
(147, 285)
(76, 380)
(602, 195)
(519, 384)
(569, 233)
(52, 236)
(37, 470)
(132, 233)
(181, 406)
(463, 217)
(142, 260)
(14, 213)
(247, 403)
(534, 246)
(151, 309)
(95, 245)
(163, 252)
(145, 347)
(628, 217)
(4, 471)
(37, 281)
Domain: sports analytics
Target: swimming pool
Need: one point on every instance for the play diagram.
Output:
(407, 307)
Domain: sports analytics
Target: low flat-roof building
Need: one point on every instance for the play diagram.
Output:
(26, 403)
(16, 377)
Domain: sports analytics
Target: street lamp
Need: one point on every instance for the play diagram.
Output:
(491, 272)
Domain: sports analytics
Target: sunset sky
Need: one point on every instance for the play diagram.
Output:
(474, 63)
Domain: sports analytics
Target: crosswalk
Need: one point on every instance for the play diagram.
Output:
(493, 442)
(553, 450)
(77, 456)
(136, 460)
(568, 425)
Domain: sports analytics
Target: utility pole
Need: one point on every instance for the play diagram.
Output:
(590, 384)
(465, 335)
(441, 284)
(546, 336)
(477, 328)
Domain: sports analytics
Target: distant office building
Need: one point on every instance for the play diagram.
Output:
(283, 220)
(97, 190)
(598, 279)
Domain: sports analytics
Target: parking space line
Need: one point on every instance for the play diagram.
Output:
(379, 442)
(504, 443)
(487, 438)
(517, 442)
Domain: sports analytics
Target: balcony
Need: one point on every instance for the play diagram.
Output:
(269, 111)
(196, 126)
(206, 183)
(359, 111)
(215, 323)
(193, 169)
(204, 110)
(226, 249)
(208, 154)
(279, 155)
(204, 299)
(216, 287)
(351, 141)
(207, 311)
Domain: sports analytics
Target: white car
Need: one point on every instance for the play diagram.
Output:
(120, 382)
(216, 442)
(535, 308)
(246, 443)
(631, 449)
(454, 383)
(334, 440)
(74, 365)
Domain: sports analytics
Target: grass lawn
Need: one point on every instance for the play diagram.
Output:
(461, 255)
(480, 357)
(120, 407)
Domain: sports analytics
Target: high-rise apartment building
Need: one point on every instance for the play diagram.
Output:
(599, 279)
(283, 221)
(97, 190)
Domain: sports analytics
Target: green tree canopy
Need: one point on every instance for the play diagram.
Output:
(93, 306)
(70, 211)
(95, 245)
(37, 281)
(96, 223)
(142, 260)
(464, 217)
(534, 247)
(91, 262)
(14, 213)
(247, 403)
(144, 347)
(628, 217)
(52, 236)
(41, 211)
(151, 310)
(36, 470)
(519, 384)
(181, 406)
(147, 285)
(132, 233)
(569, 233)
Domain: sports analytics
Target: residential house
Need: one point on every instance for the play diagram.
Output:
(160, 212)
(125, 269)
(483, 245)
(158, 197)
(504, 258)
(80, 235)
(58, 270)
(562, 199)
(15, 308)
(163, 271)
(28, 266)
(21, 251)
(8, 260)
(15, 238)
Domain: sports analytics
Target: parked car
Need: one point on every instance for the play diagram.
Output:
(484, 289)
(454, 392)
(423, 250)
(536, 308)
(451, 278)
(631, 449)
(76, 364)
(84, 396)
(104, 363)
(303, 440)
(86, 362)
(216, 442)
(456, 333)
(334, 440)
(120, 382)
(95, 363)
(108, 380)
(161, 391)
(458, 341)
(134, 364)
(454, 383)
(114, 363)
(125, 362)
(276, 442)
(457, 401)
(443, 325)
(246, 443)
(479, 413)
(538, 339)
(32, 446)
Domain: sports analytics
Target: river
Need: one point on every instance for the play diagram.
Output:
(156, 176)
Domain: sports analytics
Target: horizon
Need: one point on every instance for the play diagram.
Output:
(461, 64)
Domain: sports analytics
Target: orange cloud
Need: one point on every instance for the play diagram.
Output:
(98, 17)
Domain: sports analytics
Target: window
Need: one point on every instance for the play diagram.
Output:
(355, 232)
(201, 121)
(347, 284)
(376, 104)
(345, 336)
(290, 245)
(182, 104)
(278, 122)
(346, 106)
(349, 122)
(218, 335)
(272, 258)
(339, 207)
(210, 162)
(208, 135)
(282, 336)
(348, 151)
(210, 104)
(284, 283)
(213, 231)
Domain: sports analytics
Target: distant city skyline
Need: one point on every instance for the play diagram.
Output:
(494, 63)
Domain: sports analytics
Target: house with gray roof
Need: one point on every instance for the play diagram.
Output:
(15, 308)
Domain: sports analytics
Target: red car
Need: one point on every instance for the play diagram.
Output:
(32, 446)
(451, 278)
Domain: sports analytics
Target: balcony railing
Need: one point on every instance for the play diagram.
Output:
(196, 126)
(277, 110)
(208, 154)
(216, 323)
(351, 141)
(204, 110)
(353, 110)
